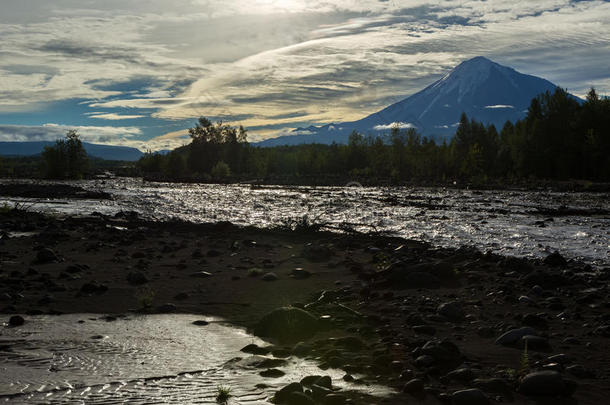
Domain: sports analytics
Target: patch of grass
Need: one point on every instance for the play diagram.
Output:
(223, 393)
(145, 296)
(525, 362)
(5, 209)
(511, 373)
(255, 272)
(304, 224)
(383, 261)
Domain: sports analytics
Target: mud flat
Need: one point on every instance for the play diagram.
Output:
(435, 325)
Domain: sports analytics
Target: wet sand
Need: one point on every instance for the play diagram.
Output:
(386, 293)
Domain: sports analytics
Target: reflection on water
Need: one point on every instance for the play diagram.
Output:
(508, 222)
(84, 358)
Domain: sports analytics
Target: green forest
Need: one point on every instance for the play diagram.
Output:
(559, 139)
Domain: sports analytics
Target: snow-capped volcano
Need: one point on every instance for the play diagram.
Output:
(483, 89)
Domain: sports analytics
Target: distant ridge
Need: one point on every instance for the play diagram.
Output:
(108, 152)
(484, 90)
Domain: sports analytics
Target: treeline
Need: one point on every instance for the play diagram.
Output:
(20, 166)
(66, 160)
(559, 139)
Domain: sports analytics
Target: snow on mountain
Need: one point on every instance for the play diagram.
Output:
(483, 89)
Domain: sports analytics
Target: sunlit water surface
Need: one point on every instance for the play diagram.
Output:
(148, 359)
(518, 223)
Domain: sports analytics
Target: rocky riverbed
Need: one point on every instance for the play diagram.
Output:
(523, 223)
(436, 325)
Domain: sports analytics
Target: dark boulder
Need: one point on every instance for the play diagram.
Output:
(414, 386)
(200, 322)
(471, 396)
(166, 308)
(452, 311)
(255, 349)
(463, 375)
(181, 296)
(46, 255)
(534, 343)
(287, 324)
(535, 321)
(201, 274)
(75, 268)
(444, 352)
(580, 371)
(283, 395)
(299, 398)
(334, 399)
(272, 373)
(16, 320)
(93, 288)
(310, 380)
(270, 277)
(300, 273)
(544, 383)
(493, 385)
(136, 278)
(399, 275)
(555, 259)
(317, 253)
(324, 381)
(514, 335)
(548, 279)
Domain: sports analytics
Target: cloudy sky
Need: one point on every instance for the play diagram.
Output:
(139, 72)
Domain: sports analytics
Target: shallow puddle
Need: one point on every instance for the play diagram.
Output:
(84, 358)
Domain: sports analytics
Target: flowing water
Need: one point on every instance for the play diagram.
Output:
(83, 358)
(518, 223)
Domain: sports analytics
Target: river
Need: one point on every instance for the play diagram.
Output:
(517, 223)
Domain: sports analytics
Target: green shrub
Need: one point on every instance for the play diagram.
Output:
(67, 159)
(145, 297)
(223, 393)
(221, 171)
(525, 362)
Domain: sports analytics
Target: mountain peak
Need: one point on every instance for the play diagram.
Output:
(471, 68)
(481, 88)
(478, 63)
(470, 76)
(477, 60)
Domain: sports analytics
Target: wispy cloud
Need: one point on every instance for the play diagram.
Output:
(496, 106)
(273, 64)
(51, 132)
(399, 125)
(115, 117)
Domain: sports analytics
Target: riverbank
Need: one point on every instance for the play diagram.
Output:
(328, 180)
(19, 187)
(397, 312)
